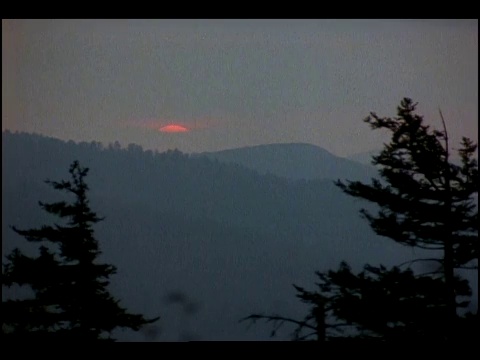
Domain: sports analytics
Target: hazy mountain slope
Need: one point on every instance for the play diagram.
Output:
(234, 241)
(294, 161)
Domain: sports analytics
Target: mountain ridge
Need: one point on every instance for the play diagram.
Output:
(230, 238)
(294, 161)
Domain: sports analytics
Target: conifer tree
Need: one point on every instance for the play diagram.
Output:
(426, 201)
(71, 300)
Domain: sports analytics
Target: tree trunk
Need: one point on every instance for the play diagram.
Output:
(319, 313)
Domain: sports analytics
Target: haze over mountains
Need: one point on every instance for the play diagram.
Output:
(295, 161)
(230, 238)
(364, 157)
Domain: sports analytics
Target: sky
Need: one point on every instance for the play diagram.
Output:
(207, 85)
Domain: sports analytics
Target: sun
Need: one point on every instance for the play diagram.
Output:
(173, 128)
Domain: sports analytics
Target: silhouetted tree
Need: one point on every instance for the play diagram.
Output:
(426, 201)
(71, 300)
(312, 327)
(377, 303)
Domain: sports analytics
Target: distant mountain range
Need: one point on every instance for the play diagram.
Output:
(230, 238)
(294, 161)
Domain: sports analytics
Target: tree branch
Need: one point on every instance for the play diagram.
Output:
(421, 246)
(268, 318)
(305, 336)
(446, 135)
(418, 260)
(467, 267)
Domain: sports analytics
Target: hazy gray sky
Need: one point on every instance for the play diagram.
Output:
(235, 82)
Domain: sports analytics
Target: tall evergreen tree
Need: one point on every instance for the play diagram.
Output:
(71, 300)
(426, 201)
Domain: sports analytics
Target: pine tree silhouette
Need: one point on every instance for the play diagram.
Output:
(425, 201)
(71, 301)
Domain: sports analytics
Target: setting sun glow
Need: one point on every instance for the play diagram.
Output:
(172, 128)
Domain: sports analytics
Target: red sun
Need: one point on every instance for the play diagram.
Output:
(172, 128)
